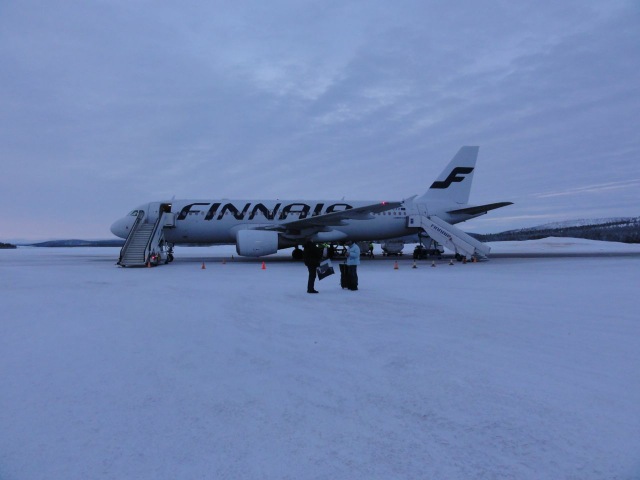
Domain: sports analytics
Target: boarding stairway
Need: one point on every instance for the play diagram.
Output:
(450, 237)
(143, 243)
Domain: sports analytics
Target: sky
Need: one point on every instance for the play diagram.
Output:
(107, 105)
(234, 372)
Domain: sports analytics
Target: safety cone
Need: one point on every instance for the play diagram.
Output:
(148, 264)
(451, 262)
(395, 265)
(474, 259)
(433, 264)
(414, 265)
(264, 266)
(464, 259)
(203, 267)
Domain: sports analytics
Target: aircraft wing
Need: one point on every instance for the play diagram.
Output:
(480, 208)
(336, 218)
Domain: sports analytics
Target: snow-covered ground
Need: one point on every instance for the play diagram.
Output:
(523, 368)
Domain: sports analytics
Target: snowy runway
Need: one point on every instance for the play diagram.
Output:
(514, 368)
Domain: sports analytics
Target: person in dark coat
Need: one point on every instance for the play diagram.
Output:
(312, 259)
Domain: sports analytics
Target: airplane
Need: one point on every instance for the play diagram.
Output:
(262, 227)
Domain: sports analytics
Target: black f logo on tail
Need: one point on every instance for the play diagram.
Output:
(453, 177)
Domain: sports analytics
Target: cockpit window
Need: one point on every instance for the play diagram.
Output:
(134, 213)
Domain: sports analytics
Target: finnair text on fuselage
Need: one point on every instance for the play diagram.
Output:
(217, 210)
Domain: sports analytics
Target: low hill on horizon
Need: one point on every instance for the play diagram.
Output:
(623, 229)
(116, 242)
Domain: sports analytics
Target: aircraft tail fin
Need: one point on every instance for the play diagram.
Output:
(454, 183)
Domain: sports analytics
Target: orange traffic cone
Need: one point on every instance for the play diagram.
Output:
(264, 267)
(395, 265)
(414, 264)
(451, 262)
(203, 267)
(433, 263)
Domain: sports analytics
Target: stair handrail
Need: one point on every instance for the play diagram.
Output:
(154, 238)
(134, 227)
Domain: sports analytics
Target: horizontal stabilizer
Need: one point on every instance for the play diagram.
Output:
(479, 209)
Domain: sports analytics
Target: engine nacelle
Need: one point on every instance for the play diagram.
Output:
(256, 243)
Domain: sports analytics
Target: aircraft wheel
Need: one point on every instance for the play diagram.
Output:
(169, 258)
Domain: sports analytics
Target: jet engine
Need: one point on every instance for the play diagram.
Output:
(256, 243)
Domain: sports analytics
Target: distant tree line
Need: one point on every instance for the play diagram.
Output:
(6, 245)
(620, 230)
(80, 243)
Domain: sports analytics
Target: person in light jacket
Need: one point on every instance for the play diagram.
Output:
(353, 260)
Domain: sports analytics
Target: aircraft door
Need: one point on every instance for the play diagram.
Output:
(415, 214)
(155, 209)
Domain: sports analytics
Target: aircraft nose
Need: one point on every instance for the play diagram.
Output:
(120, 228)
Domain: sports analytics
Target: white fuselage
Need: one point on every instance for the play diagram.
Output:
(218, 221)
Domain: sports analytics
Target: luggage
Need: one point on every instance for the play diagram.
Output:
(344, 276)
(325, 269)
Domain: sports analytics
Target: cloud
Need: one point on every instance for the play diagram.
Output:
(599, 188)
(141, 99)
